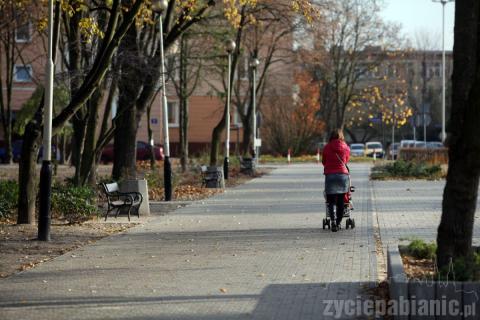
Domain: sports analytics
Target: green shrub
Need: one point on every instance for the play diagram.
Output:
(155, 179)
(8, 197)
(421, 250)
(74, 204)
(462, 269)
(404, 170)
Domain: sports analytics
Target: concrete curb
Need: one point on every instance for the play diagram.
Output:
(466, 295)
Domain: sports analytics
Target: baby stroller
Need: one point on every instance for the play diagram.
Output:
(350, 222)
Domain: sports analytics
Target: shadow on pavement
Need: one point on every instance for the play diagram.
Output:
(276, 301)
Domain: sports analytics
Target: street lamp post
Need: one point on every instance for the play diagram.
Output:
(46, 171)
(254, 64)
(230, 47)
(393, 133)
(160, 6)
(443, 2)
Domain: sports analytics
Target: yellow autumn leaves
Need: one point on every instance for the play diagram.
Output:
(374, 102)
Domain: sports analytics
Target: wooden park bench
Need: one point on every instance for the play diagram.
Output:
(121, 200)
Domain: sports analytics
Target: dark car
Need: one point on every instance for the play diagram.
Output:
(143, 152)
(17, 152)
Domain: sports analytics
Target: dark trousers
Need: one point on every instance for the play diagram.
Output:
(336, 200)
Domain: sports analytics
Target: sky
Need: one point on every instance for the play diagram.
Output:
(420, 16)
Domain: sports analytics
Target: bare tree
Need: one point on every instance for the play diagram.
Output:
(345, 39)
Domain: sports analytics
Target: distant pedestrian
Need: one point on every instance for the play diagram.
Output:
(337, 177)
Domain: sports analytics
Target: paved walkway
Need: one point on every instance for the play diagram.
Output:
(411, 209)
(257, 251)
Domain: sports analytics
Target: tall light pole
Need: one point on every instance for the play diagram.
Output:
(393, 133)
(254, 64)
(229, 47)
(160, 6)
(46, 171)
(443, 2)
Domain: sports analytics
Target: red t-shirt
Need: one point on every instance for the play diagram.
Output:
(331, 161)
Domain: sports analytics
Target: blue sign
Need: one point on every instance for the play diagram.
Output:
(154, 121)
(375, 120)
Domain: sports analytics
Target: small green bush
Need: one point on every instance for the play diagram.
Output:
(8, 197)
(74, 204)
(421, 250)
(155, 179)
(407, 170)
(462, 269)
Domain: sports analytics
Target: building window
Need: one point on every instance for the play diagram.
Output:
(23, 73)
(23, 33)
(173, 114)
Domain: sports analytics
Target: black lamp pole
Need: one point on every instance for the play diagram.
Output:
(230, 47)
(160, 6)
(44, 219)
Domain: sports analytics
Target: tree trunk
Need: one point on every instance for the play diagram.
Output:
(125, 140)
(184, 134)
(183, 104)
(247, 145)
(455, 231)
(27, 175)
(129, 85)
(79, 125)
(87, 167)
(215, 147)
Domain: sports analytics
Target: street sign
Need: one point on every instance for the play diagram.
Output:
(154, 121)
(375, 120)
(258, 142)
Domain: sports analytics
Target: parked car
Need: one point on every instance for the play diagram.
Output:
(374, 148)
(143, 152)
(357, 149)
(420, 144)
(407, 144)
(17, 152)
(393, 150)
(435, 145)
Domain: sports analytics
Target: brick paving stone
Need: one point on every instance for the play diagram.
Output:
(257, 251)
(411, 209)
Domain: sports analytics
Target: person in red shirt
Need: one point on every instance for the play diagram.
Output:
(337, 178)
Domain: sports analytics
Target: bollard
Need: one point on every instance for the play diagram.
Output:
(374, 156)
(288, 156)
(318, 156)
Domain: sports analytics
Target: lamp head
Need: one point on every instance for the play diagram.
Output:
(230, 46)
(254, 63)
(159, 5)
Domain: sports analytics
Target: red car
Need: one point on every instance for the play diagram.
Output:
(143, 152)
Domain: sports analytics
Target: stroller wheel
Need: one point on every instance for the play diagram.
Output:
(326, 224)
(350, 223)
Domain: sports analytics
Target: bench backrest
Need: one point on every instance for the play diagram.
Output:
(111, 187)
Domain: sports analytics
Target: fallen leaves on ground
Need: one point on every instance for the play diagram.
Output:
(184, 193)
(418, 268)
